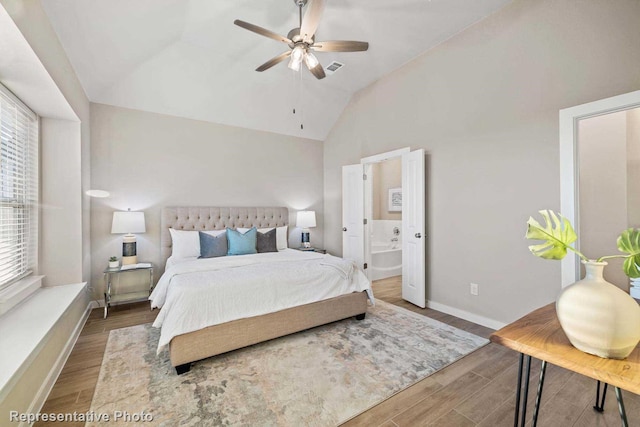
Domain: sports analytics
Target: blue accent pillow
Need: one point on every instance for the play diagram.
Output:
(212, 246)
(242, 244)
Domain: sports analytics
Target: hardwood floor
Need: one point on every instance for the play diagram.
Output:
(478, 390)
(74, 388)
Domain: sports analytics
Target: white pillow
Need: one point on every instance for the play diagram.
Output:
(186, 243)
(282, 241)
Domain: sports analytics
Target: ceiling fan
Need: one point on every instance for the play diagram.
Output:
(301, 41)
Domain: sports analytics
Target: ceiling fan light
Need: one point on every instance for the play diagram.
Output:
(293, 64)
(297, 53)
(296, 57)
(311, 60)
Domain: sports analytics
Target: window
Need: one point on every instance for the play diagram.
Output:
(18, 189)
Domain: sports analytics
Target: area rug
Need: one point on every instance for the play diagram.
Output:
(319, 377)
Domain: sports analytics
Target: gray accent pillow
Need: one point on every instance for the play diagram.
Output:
(267, 242)
(212, 246)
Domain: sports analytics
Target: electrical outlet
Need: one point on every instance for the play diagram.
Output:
(473, 288)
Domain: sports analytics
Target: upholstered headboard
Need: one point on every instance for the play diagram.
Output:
(213, 218)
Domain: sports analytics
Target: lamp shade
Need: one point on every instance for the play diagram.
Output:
(128, 222)
(306, 219)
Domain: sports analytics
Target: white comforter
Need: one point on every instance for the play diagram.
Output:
(198, 293)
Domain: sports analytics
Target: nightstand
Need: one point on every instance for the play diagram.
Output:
(322, 251)
(110, 297)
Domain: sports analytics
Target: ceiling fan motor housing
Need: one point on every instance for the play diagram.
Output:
(296, 38)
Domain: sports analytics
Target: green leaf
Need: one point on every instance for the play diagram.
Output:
(557, 234)
(629, 243)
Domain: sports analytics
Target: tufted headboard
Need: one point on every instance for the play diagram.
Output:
(213, 218)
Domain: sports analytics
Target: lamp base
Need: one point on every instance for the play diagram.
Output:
(129, 255)
(127, 260)
(305, 238)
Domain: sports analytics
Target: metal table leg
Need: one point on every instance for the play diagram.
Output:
(515, 419)
(523, 417)
(536, 409)
(526, 373)
(107, 294)
(599, 406)
(520, 417)
(623, 413)
(150, 284)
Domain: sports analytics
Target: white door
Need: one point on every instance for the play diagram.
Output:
(353, 214)
(413, 228)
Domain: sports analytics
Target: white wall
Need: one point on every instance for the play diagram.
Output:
(148, 161)
(602, 162)
(633, 168)
(386, 175)
(484, 105)
(61, 256)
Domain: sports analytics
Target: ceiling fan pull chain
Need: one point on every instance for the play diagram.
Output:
(301, 108)
(293, 83)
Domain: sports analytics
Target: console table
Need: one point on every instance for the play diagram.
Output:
(539, 335)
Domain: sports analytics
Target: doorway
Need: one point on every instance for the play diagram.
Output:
(608, 185)
(399, 231)
(575, 121)
(383, 205)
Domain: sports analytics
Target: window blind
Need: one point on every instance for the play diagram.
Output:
(18, 189)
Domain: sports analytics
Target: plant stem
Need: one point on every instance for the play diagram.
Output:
(578, 253)
(602, 258)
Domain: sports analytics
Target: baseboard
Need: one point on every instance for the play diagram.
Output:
(56, 369)
(462, 314)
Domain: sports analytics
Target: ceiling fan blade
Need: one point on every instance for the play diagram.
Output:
(340, 46)
(261, 31)
(318, 71)
(311, 20)
(273, 61)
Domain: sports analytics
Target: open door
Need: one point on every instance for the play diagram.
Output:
(413, 228)
(353, 214)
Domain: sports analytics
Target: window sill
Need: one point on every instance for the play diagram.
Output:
(27, 329)
(18, 292)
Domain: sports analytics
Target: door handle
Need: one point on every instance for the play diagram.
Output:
(344, 228)
(418, 235)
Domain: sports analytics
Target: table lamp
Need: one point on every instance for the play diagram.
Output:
(128, 222)
(306, 220)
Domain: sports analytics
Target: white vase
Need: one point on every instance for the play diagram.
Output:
(598, 317)
(114, 264)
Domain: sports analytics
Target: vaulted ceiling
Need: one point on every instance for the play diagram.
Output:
(186, 58)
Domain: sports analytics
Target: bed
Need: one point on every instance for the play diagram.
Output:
(297, 290)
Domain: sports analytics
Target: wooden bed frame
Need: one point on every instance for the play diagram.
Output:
(217, 339)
